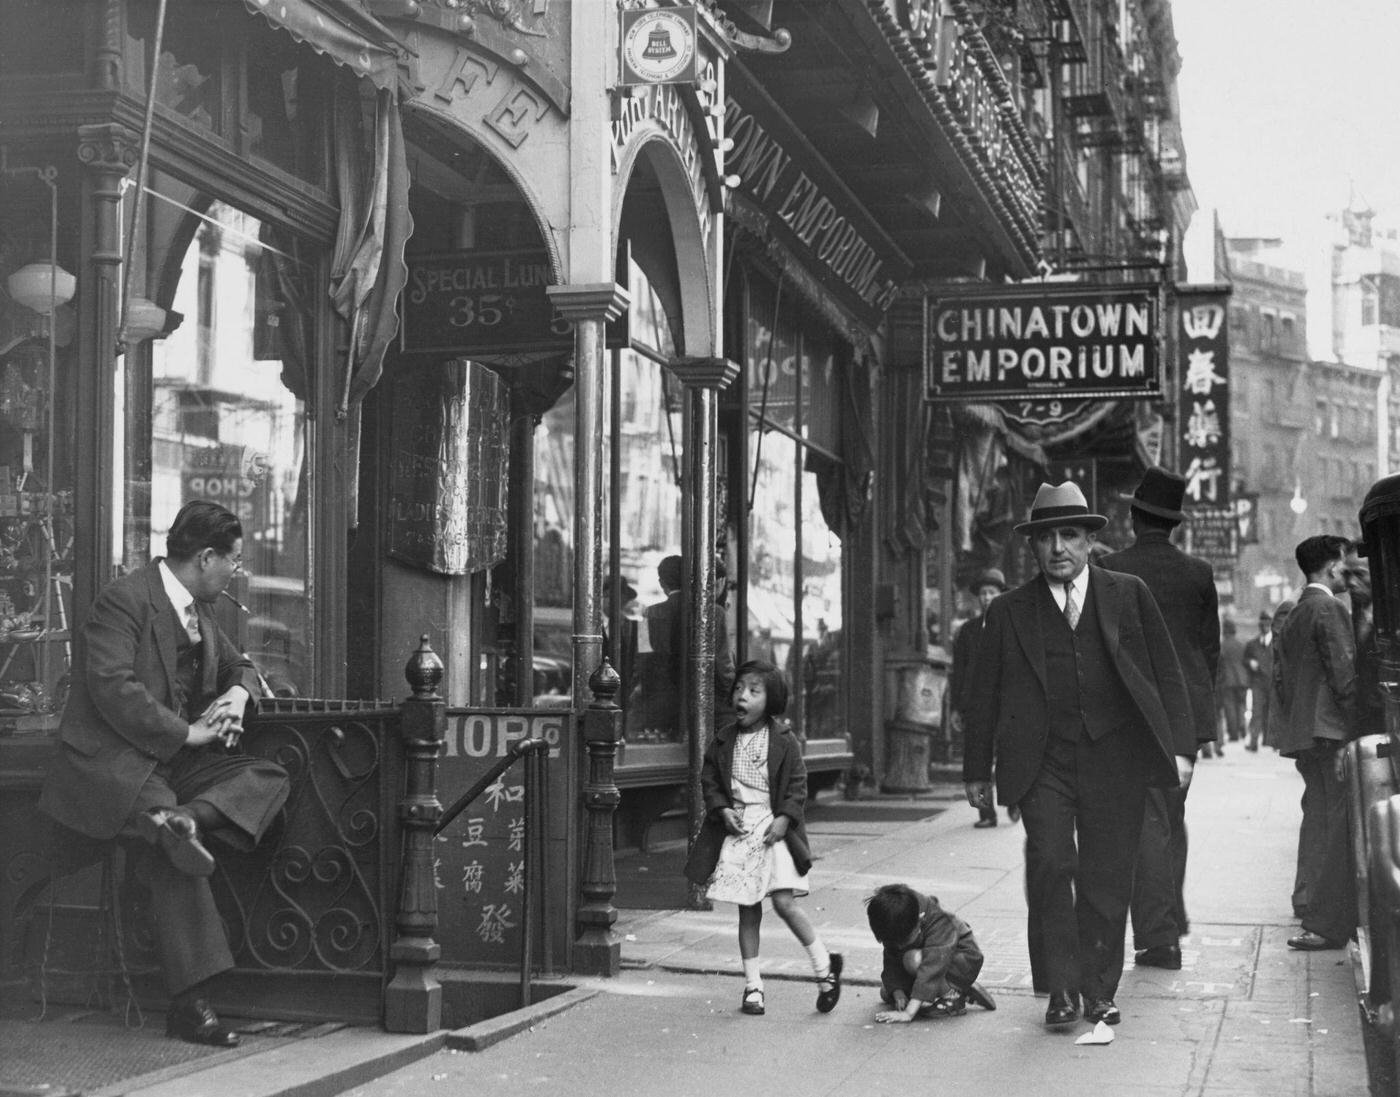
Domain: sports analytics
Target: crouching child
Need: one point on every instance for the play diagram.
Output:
(931, 960)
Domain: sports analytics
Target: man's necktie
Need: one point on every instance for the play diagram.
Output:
(192, 623)
(1071, 609)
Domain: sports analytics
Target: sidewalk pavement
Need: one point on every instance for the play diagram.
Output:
(1244, 1016)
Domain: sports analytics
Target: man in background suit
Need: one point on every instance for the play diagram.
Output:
(1259, 661)
(1315, 687)
(962, 679)
(1081, 706)
(146, 749)
(1184, 589)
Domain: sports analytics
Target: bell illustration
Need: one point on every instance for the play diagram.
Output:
(659, 46)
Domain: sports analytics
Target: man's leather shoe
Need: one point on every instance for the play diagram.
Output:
(1308, 941)
(1063, 1009)
(1103, 1009)
(177, 836)
(196, 1023)
(1163, 956)
(982, 824)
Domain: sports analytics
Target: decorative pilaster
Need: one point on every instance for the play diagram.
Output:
(704, 379)
(413, 998)
(597, 950)
(588, 308)
(107, 152)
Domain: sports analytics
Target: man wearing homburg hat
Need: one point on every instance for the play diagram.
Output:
(1184, 589)
(1081, 706)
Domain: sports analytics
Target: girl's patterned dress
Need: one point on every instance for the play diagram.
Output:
(748, 869)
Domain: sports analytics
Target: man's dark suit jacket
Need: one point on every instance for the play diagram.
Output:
(1314, 673)
(1010, 714)
(1184, 589)
(122, 717)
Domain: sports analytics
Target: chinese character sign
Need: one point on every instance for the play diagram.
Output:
(1203, 342)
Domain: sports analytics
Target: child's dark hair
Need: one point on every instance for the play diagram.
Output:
(893, 912)
(774, 684)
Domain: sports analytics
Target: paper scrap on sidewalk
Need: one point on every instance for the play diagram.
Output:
(1101, 1034)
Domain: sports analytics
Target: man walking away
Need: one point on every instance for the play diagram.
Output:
(1184, 589)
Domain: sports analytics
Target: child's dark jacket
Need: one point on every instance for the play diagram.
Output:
(949, 950)
(787, 790)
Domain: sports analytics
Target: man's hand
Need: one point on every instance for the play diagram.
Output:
(777, 830)
(955, 721)
(1184, 768)
(979, 794)
(222, 721)
(733, 821)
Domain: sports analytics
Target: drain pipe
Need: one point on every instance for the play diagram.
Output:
(142, 162)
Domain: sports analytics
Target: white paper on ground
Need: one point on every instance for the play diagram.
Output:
(1101, 1034)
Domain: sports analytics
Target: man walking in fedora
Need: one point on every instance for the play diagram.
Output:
(962, 678)
(1080, 707)
(1184, 589)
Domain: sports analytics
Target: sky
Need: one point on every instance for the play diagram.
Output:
(1287, 108)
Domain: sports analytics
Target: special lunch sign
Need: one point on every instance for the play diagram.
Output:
(1043, 342)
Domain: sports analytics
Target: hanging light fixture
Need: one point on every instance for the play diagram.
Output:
(41, 286)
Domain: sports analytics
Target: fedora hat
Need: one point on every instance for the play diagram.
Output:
(1161, 493)
(1060, 505)
(991, 577)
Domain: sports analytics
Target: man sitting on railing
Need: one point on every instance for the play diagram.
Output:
(146, 749)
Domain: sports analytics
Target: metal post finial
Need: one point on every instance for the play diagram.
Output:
(424, 670)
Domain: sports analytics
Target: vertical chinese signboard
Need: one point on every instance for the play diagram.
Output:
(1204, 348)
(1203, 342)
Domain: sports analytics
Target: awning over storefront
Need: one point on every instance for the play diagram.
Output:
(342, 30)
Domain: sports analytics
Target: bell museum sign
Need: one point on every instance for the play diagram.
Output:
(1043, 341)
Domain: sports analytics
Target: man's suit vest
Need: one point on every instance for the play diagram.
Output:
(1084, 689)
(189, 669)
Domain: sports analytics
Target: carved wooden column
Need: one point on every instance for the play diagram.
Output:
(704, 379)
(597, 950)
(588, 308)
(413, 998)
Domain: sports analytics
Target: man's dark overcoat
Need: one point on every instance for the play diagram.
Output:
(1010, 713)
(1184, 589)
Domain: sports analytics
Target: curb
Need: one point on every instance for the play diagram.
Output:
(483, 1034)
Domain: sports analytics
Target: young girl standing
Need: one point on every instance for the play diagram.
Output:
(753, 842)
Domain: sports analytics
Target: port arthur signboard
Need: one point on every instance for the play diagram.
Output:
(1043, 341)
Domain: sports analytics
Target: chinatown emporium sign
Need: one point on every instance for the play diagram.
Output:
(1045, 342)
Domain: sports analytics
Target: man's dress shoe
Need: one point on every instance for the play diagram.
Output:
(1063, 1009)
(1163, 956)
(177, 836)
(982, 824)
(1103, 1009)
(1308, 941)
(196, 1023)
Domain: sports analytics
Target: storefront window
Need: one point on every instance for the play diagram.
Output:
(217, 410)
(794, 594)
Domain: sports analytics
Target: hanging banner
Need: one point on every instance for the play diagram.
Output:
(1203, 366)
(1048, 342)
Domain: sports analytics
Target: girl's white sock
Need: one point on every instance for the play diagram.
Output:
(821, 959)
(751, 976)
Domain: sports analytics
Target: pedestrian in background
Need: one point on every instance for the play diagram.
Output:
(753, 842)
(1183, 587)
(1259, 661)
(1232, 686)
(1315, 685)
(962, 675)
(1080, 706)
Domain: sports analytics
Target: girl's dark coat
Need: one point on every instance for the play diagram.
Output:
(787, 784)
